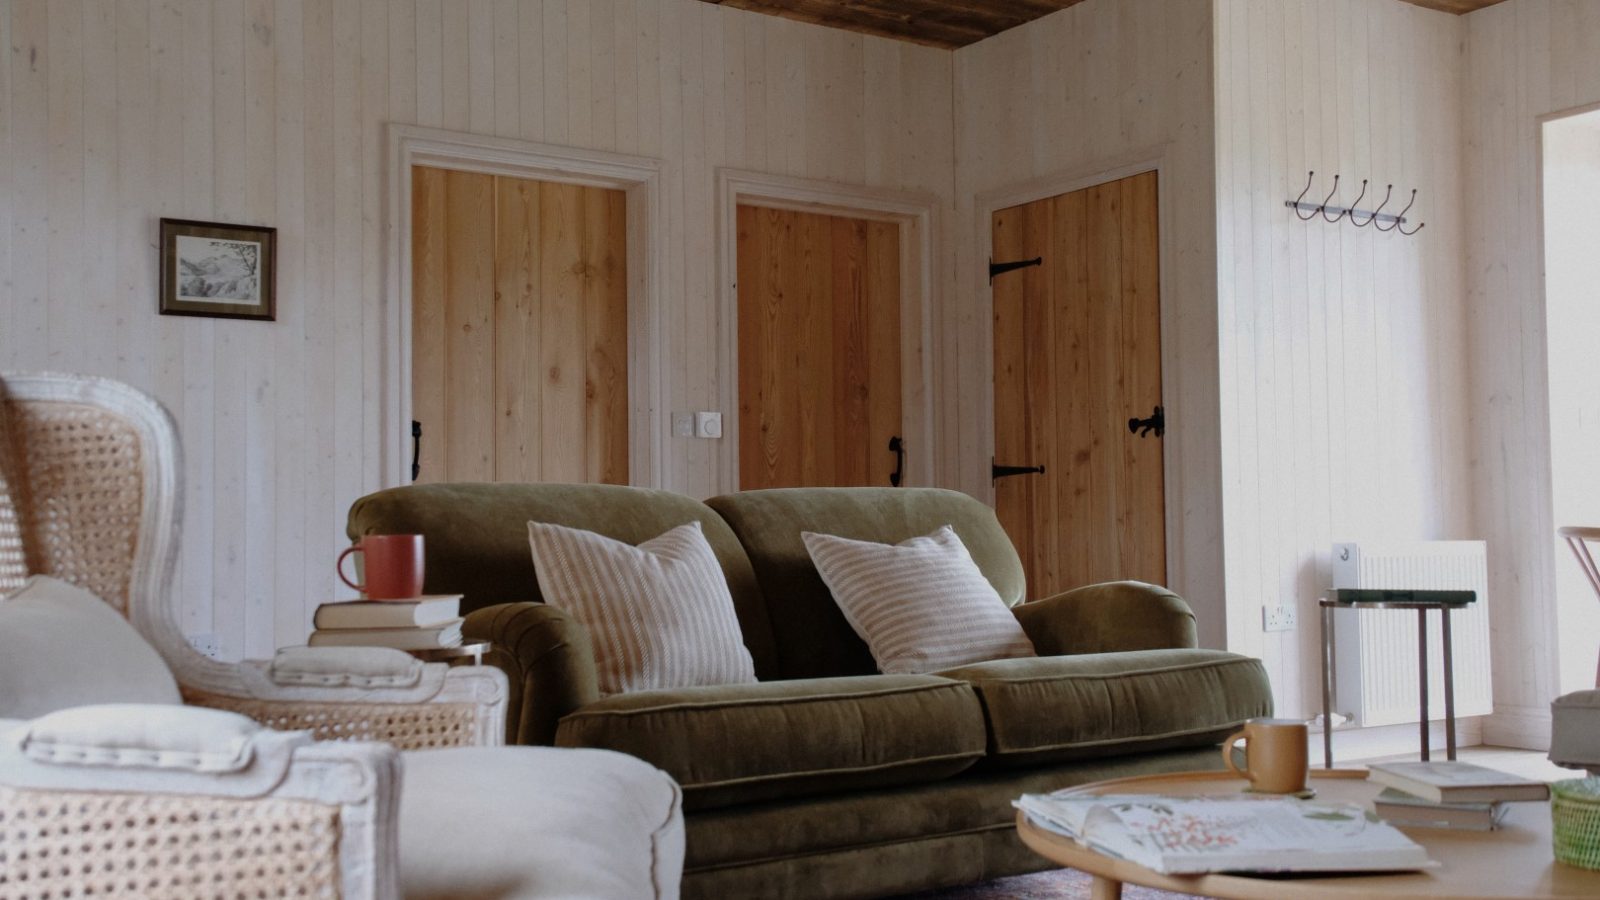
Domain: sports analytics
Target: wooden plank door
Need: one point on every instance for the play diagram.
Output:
(519, 329)
(819, 349)
(1077, 353)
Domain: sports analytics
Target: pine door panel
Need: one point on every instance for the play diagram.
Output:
(519, 329)
(819, 349)
(1077, 346)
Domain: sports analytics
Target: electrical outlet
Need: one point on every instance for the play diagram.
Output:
(205, 643)
(1277, 618)
(683, 424)
(708, 424)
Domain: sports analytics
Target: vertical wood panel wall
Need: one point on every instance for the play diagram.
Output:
(1087, 87)
(1343, 351)
(1526, 59)
(115, 114)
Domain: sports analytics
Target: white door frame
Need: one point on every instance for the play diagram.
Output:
(915, 214)
(1151, 159)
(640, 180)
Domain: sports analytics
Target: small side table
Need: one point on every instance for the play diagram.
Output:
(473, 649)
(1421, 601)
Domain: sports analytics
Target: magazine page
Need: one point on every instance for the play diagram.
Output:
(1201, 834)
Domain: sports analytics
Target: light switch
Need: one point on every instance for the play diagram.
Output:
(683, 424)
(708, 424)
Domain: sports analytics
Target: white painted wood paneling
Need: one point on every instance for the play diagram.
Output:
(1525, 59)
(271, 111)
(1343, 364)
(1093, 89)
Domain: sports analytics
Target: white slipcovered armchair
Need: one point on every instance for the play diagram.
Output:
(278, 778)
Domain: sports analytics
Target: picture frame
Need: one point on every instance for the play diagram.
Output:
(219, 270)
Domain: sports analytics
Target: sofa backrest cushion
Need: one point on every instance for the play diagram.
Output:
(811, 636)
(477, 538)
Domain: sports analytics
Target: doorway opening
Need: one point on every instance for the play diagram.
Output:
(1078, 462)
(819, 350)
(827, 291)
(606, 225)
(519, 329)
(1571, 167)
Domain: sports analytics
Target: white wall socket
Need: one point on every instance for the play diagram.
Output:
(1277, 618)
(708, 424)
(683, 424)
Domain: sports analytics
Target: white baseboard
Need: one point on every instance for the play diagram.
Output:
(1354, 744)
(1525, 727)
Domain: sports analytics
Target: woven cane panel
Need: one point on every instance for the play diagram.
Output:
(57, 844)
(13, 562)
(408, 726)
(84, 482)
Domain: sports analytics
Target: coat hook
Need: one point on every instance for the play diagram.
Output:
(1296, 205)
(1351, 210)
(1420, 226)
(1401, 216)
(1323, 209)
(1372, 218)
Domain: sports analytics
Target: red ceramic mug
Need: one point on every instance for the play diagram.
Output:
(391, 565)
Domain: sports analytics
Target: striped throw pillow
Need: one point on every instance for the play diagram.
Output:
(660, 614)
(921, 605)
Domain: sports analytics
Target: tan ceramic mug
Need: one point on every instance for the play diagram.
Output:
(1275, 760)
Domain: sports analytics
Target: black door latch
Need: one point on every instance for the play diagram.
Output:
(1157, 422)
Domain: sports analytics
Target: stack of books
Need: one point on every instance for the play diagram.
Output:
(1449, 794)
(425, 623)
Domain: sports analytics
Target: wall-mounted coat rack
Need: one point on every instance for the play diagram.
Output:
(1323, 209)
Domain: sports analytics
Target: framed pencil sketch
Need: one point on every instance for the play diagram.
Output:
(214, 269)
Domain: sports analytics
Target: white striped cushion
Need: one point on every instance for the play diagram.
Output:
(659, 614)
(921, 605)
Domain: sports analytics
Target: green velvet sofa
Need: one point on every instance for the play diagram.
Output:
(828, 779)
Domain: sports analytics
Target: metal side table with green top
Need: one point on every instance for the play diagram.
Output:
(1421, 601)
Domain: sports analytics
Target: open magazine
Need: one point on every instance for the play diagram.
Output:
(1190, 835)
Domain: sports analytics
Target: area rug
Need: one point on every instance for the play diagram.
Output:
(1061, 884)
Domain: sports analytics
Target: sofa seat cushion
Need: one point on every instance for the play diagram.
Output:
(745, 743)
(1109, 704)
(524, 823)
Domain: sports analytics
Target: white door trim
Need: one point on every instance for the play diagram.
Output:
(916, 214)
(638, 177)
(1150, 159)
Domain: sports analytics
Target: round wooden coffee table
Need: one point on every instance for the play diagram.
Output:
(1514, 861)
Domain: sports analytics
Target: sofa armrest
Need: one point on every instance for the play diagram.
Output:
(547, 657)
(1107, 618)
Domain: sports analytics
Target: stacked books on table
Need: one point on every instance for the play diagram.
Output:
(1237, 833)
(1449, 794)
(425, 623)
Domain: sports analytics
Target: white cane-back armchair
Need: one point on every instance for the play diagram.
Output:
(89, 493)
(280, 778)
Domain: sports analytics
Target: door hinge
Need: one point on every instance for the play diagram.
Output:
(1000, 268)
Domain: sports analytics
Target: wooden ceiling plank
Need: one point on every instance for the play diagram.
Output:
(956, 23)
(1458, 7)
(939, 23)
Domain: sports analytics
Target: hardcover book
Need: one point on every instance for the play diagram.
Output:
(1191, 835)
(445, 635)
(1402, 809)
(1456, 782)
(423, 611)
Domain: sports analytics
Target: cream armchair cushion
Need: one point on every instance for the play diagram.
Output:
(524, 823)
(61, 646)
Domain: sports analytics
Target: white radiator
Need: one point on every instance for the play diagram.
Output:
(1375, 651)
